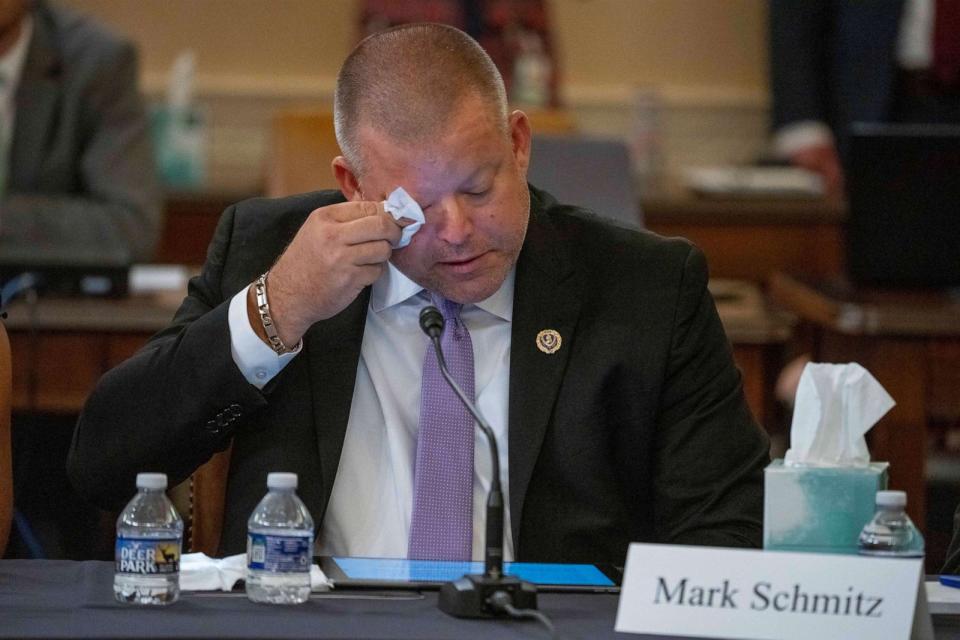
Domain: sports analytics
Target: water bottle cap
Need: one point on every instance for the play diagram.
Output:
(278, 480)
(151, 481)
(891, 498)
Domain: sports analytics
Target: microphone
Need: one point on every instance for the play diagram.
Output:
(431, 322)
(491, 594)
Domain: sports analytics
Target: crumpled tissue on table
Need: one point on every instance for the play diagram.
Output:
(200, 572)
(399, 204)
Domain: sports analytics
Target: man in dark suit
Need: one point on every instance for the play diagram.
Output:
(78, 170)
(599, 356)
(836, 62)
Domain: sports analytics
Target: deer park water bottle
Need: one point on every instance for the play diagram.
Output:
(149, 538)
(890, 532)
(279, 545)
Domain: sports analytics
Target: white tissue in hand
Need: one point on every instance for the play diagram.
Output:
(399, 204)
(835, 407)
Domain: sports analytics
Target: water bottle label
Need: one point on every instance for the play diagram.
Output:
(148, 556)
(282, 554)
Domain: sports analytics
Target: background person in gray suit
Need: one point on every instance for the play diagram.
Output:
(76, 181)
(76, 168)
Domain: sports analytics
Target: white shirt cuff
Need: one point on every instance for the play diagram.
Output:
(258, 363)
(796, 136)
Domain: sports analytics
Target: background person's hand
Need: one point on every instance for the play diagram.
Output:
(338, 251)
(823, 160)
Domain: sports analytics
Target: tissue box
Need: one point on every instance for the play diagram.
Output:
(819, 509)
(180, 141)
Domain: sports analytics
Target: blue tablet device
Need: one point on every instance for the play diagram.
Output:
(430, 574)
(950, 581)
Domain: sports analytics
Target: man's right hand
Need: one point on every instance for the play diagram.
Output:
(338, 251)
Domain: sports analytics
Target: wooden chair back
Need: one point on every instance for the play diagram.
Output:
(552, 121)
(302, 146)
(208, 489)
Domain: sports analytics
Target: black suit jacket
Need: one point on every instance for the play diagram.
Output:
(636, 429)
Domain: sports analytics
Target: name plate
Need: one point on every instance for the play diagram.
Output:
(710, 592)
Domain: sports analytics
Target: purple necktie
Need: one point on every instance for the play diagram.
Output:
(441, 527)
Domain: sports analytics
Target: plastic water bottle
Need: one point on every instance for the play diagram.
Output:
(149, 538)
(279, 545)
(891, 533)
(531, 72)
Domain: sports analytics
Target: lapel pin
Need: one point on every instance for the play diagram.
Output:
(549, 341)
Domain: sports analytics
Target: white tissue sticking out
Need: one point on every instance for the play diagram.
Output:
(835, 407)
(399, 204)
(180, 82)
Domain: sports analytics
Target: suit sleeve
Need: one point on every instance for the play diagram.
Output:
(799, 37)
(710, 452)
(117, 203)
(172, 405)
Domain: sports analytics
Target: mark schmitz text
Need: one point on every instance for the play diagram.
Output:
(765, 596)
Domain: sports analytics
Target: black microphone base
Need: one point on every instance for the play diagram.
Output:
(468, 596)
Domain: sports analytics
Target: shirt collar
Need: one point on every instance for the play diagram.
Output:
(393, 288)
(11, 65)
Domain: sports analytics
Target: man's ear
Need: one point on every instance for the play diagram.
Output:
(520, 136)
(346, 178)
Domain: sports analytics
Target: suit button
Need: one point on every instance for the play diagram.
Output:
(236, 410)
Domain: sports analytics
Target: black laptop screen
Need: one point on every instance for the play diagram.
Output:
(903, 185)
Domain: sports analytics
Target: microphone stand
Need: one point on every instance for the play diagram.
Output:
(491, 594)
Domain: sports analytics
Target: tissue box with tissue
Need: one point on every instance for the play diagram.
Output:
(819, 497)
(818, 509)
(180, 129)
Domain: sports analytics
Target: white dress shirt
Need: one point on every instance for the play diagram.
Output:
(915, 38)
(372, 499)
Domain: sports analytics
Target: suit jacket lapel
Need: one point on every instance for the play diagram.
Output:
(37, 98)
(546, 296)
(333, 351)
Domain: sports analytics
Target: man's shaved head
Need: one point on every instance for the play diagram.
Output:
(407, 83)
